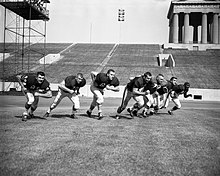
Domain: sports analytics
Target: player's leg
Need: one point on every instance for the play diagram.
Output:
(157, 102)
(33, 107)
(60, 95)
(137, 106)
(76, 105)
(166, 101)
(125, 102)
(93, 103)
(98, 100)
(149, 100)
(30, 100)
(92, 106)
(177, 103)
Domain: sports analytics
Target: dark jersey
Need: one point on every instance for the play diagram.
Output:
(137, 82)
(151, 86)
(102, 80)
(179, 89)
(161, 87)
(169, 85)
(71, 83)
(31, 83)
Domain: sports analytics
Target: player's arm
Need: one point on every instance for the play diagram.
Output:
(113, 88)
(82, 84)
(43, 93)
(93, 75)
(63, 87)
(186, 95)
(22, 81)
(138, 92)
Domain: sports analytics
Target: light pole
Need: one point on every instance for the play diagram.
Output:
(121, 18)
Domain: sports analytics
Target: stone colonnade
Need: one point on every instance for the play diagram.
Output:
(194, 22)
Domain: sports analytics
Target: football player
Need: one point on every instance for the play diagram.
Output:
(169, 85)
(35, 87)
(100, 82)
(69, 88)
(135, 90)
(176, 91)
(161, 91)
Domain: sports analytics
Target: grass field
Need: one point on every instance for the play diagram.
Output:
(187, 143)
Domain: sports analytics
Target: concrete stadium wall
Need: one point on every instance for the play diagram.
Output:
(198, 94)
(2, 55)
(191, 46)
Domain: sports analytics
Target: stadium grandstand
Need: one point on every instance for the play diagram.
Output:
(198, 67)
(194, 59)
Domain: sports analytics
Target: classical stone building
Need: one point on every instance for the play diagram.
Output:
(194, 22)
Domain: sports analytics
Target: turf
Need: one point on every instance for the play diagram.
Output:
(187, 143)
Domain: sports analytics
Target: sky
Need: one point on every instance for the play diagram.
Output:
(96, 21)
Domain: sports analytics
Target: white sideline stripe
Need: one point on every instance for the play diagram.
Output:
(66, 48)
(108, 57)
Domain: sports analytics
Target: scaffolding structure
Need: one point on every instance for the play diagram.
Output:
(24, 25)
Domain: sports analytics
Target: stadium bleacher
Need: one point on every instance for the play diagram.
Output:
(200, 68)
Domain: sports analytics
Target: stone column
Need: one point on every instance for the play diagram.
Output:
(215, 28)
(219, 29)
(186, 28)
(170, 34)
(204, 28)
(175, 27)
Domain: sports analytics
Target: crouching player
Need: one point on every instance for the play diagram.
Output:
(135, 90)
(150, 99)
(69, 88)
(100, 82)
(35, 87)
(174, 95)
(156, 95)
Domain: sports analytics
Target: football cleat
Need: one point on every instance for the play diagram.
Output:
(73, 116)
(119, 110)
(170, 112)
(24, 117)
(89, 113)
(144, 113)
(156, 108)
(151, 113)
(135, 112)
(30, 116)
(117, 117)
(100, 116)
(130, 112)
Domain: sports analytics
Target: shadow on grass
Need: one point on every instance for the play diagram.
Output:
(60, 115)
(92, 116)
(161, 113)
(121, 117)
(34, 117)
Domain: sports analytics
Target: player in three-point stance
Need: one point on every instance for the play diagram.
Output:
(69, 88)
(100, 82)
(169, 86)
(35, 87)
(134, 90)
(160, 94)
(177, 90)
